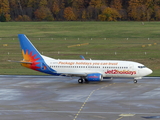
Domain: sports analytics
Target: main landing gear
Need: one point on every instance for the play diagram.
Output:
(135, 81)
(81, 80)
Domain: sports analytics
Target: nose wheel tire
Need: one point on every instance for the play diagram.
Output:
(80, 81)
(135, 81)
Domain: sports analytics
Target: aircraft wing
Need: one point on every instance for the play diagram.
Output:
(76, 74)
(72, 74)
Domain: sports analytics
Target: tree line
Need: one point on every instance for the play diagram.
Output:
(79, 10)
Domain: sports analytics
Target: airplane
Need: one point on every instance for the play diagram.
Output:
(86, 70)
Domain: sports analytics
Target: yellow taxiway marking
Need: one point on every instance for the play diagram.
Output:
(125, 115)
(86, 100)
(119, 118)
(77, 45)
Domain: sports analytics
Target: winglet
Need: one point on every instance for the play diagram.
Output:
(82, 57)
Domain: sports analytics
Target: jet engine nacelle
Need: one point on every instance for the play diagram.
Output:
(94, 77)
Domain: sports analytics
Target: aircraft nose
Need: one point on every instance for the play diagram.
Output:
(149, 71)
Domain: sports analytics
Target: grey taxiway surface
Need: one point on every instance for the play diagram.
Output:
(62, 98)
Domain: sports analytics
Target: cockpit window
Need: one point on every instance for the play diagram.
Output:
(141, 66)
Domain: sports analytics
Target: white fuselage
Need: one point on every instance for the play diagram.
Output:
(87, 70)
(108, 68)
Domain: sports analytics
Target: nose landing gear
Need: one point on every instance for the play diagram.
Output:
(135, 81)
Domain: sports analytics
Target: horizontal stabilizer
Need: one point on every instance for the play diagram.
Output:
(20, 62)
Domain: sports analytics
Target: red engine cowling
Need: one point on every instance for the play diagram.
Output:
(94, 77)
